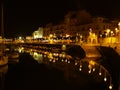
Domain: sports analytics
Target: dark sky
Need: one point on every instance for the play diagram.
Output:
(22, 17)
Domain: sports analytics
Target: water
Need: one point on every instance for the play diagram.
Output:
(36, 71)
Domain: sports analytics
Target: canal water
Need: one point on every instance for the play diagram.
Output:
(55, 71)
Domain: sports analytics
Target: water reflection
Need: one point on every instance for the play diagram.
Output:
(3, 71)
(37, 57)
(74, 69)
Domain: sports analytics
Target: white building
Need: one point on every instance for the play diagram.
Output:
(38, 33)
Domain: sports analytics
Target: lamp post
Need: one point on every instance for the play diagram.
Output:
(108, 32)
(111, 32)
(116, 31)
(108, 35)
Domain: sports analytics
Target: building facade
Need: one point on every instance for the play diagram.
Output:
(82, 26)
(74, 25)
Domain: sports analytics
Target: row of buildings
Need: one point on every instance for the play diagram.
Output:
(80, 24)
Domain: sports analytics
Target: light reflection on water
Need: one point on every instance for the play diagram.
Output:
(73, 68)
(61, 72)
(85, 74)
(3, 71)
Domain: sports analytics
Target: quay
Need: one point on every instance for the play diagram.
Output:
(91, 50)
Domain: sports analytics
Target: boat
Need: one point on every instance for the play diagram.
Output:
(13, 55)
(3, 60)
(3, 69)
(3, 56)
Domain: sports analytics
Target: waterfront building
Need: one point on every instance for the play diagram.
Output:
(77, 26)
(79, 23)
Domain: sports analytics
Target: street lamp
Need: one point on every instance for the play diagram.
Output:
(108, 32)
(116, 31)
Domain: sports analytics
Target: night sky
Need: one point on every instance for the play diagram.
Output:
(22, 17)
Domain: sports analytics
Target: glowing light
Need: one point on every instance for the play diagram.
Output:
(63, 47)
(67, 35)
(45, 52)
(20, 50)
(63, 55)
(116, 29)
(119, 24)
(45, 55)
(89, 71)
(110, 87)
(60, 55)
(108, 30)
(93, 69)
(54, 61)
(19, 37)
(55, 54)
(89, 66)
(105, 79)
(50, 60)
(50, 55)
(75, 63)
(80, 65)
(68, 61)
(100, 73)
(90, 29)
(111, 31)
(92, 62)
(80, 69)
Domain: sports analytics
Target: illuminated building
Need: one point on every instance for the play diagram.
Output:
(73, 25)
(38, 33)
